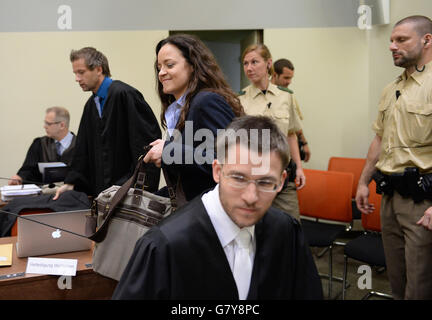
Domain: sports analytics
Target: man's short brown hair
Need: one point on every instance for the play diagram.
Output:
(92, 58)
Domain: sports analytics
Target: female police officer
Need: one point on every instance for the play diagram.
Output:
(262, 97)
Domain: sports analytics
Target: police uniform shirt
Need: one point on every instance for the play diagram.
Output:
(404, 123)
(277, 103)
(297, 107)
(296, 104)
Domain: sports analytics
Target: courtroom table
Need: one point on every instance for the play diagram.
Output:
(86, 285)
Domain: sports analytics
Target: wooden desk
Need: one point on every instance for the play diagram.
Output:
(86, 284)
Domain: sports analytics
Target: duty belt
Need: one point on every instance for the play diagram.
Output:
(409, 184)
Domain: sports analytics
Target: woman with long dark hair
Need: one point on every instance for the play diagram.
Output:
(196, 102)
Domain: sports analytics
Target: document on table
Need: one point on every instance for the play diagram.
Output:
(6, 255)
(10, 192)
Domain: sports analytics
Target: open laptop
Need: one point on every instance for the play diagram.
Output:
(35, 239)
(55, 174)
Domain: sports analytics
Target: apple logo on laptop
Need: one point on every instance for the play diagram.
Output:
(56, 234)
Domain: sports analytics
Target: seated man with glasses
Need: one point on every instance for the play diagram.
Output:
(229, 243)
(57, 146)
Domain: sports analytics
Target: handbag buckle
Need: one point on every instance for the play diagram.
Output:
(171, 192)
(140, 181)
(93, 209)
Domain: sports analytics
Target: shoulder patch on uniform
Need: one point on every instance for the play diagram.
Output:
(285, 89)
(240, 93)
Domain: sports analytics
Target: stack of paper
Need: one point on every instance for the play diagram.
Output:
(10, 192)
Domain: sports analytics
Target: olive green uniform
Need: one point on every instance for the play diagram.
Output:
(404, 123)
(279, 104)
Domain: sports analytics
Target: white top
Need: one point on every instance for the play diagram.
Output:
(226, 229)
(172, 114)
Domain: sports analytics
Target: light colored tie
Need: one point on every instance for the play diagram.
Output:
(58, 147)
(242, 263)
(98, 105)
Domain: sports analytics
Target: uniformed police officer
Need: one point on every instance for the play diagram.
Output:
(283, 73)
(399, 159)
(262, 97)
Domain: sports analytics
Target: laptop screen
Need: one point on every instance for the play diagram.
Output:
(55, 174)
(36, 238)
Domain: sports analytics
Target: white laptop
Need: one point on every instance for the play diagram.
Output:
(35, 239)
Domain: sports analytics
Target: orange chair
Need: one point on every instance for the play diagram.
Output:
(353, 165)
(372, 222)
(367, 248)
(325, 209)
(14, 230)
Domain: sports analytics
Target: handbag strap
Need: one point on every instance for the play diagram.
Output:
(175, 192)
(100, 233)
(137, 181)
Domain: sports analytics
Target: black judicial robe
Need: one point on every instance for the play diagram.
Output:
(210, 111)
(108, 148)
(182, 258)
(43, 149)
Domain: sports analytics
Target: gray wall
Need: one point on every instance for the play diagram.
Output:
(47, 15)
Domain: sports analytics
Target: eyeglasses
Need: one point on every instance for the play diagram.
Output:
(51, 123)
(240, 182)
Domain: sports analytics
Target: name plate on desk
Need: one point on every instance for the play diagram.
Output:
(58, 267)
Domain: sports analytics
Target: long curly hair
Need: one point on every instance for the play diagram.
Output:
(206, 75)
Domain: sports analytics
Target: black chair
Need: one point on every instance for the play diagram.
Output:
(367, 248)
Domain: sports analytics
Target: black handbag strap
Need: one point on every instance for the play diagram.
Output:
(137, 181)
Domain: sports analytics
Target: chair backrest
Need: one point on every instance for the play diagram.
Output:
(353, 165)
(372, 221)
(327, 195)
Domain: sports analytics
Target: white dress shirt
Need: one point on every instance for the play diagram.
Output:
(172, 113)
(226, 229)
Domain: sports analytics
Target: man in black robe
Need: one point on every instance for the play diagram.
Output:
(57, 145)
(116, 124)
(194, 253)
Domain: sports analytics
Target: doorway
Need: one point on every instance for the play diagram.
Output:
(227, 47)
